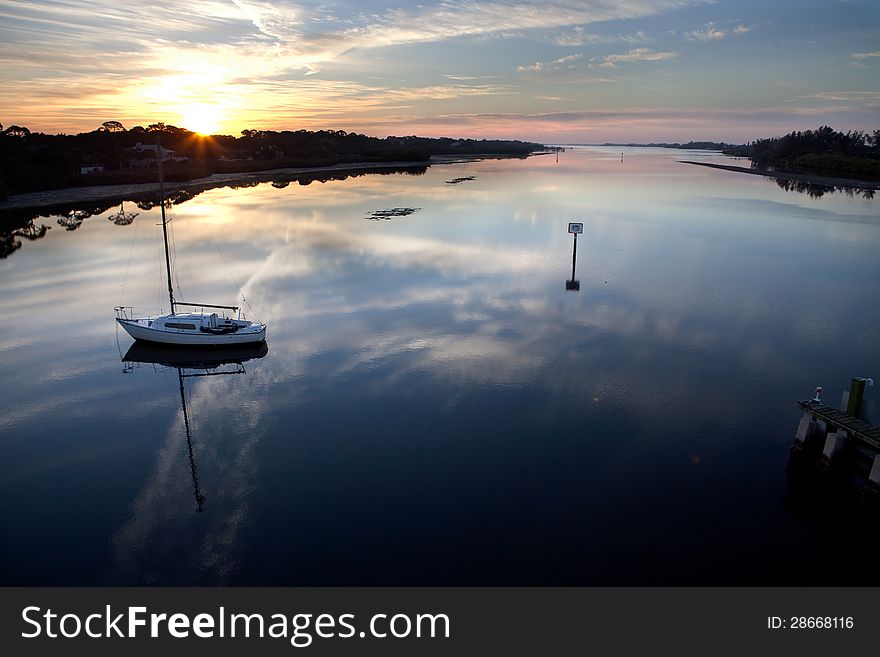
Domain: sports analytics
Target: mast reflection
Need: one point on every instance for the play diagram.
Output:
(191, 363)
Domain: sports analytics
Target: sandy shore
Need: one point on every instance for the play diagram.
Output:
(797, 177)
(116, 193)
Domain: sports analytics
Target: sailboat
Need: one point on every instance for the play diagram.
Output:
(194, 329)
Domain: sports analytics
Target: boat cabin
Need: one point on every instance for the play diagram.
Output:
(192, 322)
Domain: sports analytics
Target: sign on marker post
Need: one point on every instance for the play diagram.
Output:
(575, 229)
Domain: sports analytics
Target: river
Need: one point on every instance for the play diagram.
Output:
(435, 407)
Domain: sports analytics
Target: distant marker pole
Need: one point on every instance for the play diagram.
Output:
(574, 229)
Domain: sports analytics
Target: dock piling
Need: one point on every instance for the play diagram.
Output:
(874, 476)
(856, 394)
(806, 428)
(834, 443)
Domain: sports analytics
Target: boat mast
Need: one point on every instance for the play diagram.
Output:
(164, 223)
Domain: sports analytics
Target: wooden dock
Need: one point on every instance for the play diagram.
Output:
(841, 436)
(853, 426)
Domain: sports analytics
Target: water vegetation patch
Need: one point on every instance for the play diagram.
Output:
(385, 215)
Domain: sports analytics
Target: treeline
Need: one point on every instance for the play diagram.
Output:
(852, 154)
(691, 145)
(32, 161)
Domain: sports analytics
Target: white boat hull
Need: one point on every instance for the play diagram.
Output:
(140, 331)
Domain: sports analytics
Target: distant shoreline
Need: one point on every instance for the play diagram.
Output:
(50, 198)
(796, 177)
(60, 198)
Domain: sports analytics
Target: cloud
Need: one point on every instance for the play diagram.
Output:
(709, 32)
(713, 32)
(300, 37)
(629, 123)
(632, 39)
(445, 91)
(468, 78)
(70, 64)
(635, 55)
(460, 18)
(841, 100)
(865, 55)
(579, 37)
(555, 65)
(872, 97)
(287, 24)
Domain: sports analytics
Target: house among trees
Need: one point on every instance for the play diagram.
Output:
(144, 155)
(235, 155)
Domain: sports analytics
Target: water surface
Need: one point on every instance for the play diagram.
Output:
(434, 406)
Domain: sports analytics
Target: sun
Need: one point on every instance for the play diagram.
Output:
(201, 118)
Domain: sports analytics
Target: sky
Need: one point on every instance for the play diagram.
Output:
(546, 71)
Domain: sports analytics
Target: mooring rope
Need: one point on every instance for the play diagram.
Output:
(231, 274)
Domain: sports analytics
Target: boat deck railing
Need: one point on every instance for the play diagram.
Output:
(131, 313)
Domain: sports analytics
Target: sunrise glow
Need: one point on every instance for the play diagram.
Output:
(201, 118)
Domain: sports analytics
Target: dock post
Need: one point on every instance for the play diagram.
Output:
(856, 393)
(805, 429)
(874, 477)
(833, 444)
(871, 491)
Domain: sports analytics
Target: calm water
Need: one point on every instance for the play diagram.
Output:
(435, 407)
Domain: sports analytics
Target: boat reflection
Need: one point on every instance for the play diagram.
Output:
(193, 363)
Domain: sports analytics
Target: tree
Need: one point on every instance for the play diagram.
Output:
(17, 131)
(112, 126)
